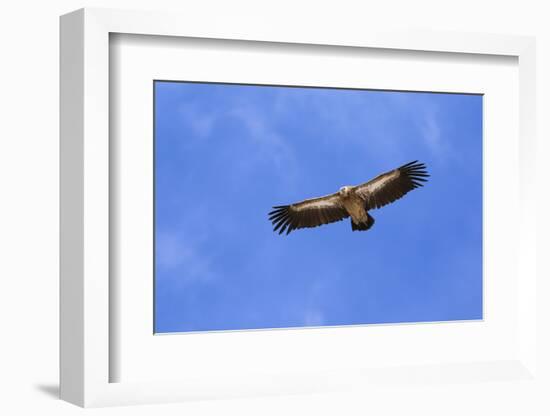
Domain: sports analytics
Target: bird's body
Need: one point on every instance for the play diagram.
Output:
(350, 201)
(354, 205)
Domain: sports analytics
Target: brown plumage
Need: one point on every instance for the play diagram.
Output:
(350, 201)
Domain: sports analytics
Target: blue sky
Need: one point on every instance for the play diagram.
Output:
(225, 154)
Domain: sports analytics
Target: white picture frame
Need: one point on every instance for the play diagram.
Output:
(86, 304)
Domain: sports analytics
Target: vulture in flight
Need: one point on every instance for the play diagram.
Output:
(350, 201)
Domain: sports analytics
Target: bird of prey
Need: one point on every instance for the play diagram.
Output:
(350, 201)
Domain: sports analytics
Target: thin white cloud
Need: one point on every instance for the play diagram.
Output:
(175, 254)
(269, 146)
(200, 122)
(353, 118)
(426, 118)
(317, 296)
(431, 134)
(272, 146)
(314, 317)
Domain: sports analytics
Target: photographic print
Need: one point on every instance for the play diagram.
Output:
(293, 207)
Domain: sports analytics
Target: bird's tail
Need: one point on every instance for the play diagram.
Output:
(362, 226)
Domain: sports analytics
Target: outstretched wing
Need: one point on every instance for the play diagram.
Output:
(308, 213)
(392, 185)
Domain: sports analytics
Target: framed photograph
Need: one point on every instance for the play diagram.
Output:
(218, 266)
(263, 211)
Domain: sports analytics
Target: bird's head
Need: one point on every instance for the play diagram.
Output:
(344, 191)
